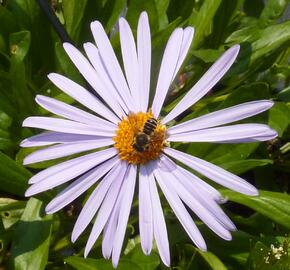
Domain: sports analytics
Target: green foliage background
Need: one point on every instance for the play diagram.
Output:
(30, 49)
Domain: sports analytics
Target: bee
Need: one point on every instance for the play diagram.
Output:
(142, 139)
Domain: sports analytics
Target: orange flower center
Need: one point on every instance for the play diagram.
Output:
(135, 145)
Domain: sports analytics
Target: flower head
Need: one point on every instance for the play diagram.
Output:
(131, 141)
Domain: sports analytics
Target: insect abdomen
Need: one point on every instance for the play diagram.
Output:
(150, 126)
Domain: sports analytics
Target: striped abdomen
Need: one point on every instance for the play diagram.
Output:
(150, 126)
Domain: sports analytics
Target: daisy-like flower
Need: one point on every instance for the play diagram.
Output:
(131, 142)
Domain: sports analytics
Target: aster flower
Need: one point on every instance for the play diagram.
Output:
(113, 128)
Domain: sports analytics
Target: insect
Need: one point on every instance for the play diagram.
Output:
(143, 139)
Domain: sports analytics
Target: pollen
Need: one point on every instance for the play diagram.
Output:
(126, 134)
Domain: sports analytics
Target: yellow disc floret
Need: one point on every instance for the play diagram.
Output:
(126, 134)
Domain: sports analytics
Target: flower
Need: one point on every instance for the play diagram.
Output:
(131, 140)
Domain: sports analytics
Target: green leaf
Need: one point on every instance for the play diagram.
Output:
(181, 9)
(19, 44)
(13, 177)
(6, 100)
(212, 260)
(100, 264)
(111, 12)
(30, 17)
(279, 117)
(285, 94)
(225, 153)
(202, 20)
(73, 12)
(273, 205)
(207, 55)
(5, 123)
(17, 74)
(31, 240)
(162, 6)
(222, 21)
(135, 7)
(145, 262)
(10, 211)
(257, 256)
(273, 10)
(241, 166)
(256, 51)
(234, 252)
(285, 148)
(65, 64)
(245, 93)
(25, 11)
(8, 22)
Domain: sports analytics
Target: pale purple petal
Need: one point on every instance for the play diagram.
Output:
(110, 228)
(222, 117)
(79, 186)
(63, 150)
(271, 135)
(105, 210)
(207, 81)
(129, 55)
(167, 68)
(188, 33)
(66, 171)
(107, 189)
(244, 132)
(48, 138)
(171, 167)
(92, 77)
(125, 208)
(66, 126)
(202, 186)
(104, 79)
(83, 96)
(172, 190)
(206, 200)
(159, 225)
(111, 63)
(145, 212)
(144, 60)
(178, 207)
(202, 193)
(214, 172)
(72, 113)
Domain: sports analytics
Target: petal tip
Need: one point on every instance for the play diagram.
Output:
(122, 20)
(146, 250)
(67, 45)
(25, 122)
(23, 143)
(236, 48)
(73, 237)
(253, 192)
(271, 103)
(52, 76)
(86, 253)
(203, 248)
(26, 161)
(95, 24)
(49, 211)
(28, 193)
(115, 264)
(275, 133)
(144, 15)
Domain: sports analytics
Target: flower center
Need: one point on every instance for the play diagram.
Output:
(140, 138)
